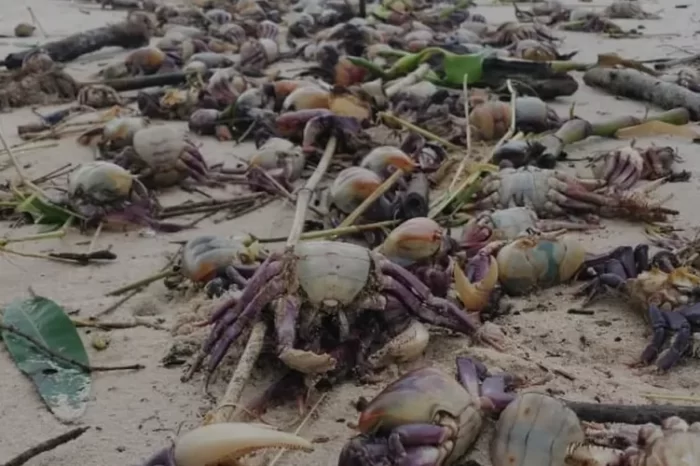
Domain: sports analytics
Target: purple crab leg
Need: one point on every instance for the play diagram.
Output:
(641, 257)
(165, 457)
(468, 375)
(420, 456)
(235, 276)
(266, 294)
(494, 389)
(456, 319)
(406, 277)
(680, 343)
(265, 272)
(659, 327)
(417, 435)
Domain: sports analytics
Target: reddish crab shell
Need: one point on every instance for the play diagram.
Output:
(414, 240)
(204, 257)
(352, 186)
(382, 158)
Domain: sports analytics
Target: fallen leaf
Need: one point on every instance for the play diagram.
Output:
(64, 387)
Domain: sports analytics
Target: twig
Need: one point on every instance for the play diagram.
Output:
(632, 414)
(511, 130)
(65, 169)
(229, 402)
(465, 158)
(36, 21)
(417, 129)
(118, 303)
(299, 427)
(376, 194)
(137, 322)
(96, 235)
(304, 196)
(85, 367)
(142, 282)
(46, 445)
(332, 232)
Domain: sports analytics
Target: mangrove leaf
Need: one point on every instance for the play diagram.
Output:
(63, 386)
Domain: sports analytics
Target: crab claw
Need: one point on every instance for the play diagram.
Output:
(385, 159)
(476, 235)
(213, 443)
(414, 240)
(476, 286)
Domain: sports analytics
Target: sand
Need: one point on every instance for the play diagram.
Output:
(135, 413)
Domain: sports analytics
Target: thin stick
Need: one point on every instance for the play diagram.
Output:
(137, 322)
(417, 129)
(465, 158)
(46, 445)
(511, 130)
(333, 232)
(142, 282)
(376, 194)
(36, 21)
(118, 303)
(85, 367)
(304, 196)
(229, 402)
(93, 242)
(301, 425)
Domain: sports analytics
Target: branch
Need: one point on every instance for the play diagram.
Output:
(45, 446)
(87, 368)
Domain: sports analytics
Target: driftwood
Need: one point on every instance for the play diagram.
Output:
(632, 414)
(640, 86)
(129, 34)
(577, 129)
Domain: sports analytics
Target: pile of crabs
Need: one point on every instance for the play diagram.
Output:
(348, 307)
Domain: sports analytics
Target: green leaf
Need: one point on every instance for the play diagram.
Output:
(453, 67)
(64, 387)
(43, 212)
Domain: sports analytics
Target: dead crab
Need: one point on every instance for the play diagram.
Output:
(552, 193)
(276, 163)
(105, 192)
(350, 188)
(163, 156)
(114, 135)
(512, 31)
(667, 292)
(229, 441)
(218, 262)
(337, 280)
(534, 419)
(99, 96)
(622, 168)
(509, 224)
(427, 417)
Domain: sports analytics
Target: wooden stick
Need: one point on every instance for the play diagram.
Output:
(376, 194)
(304, 196)
(59, 357)
(229, 402)
(632, 414)
(46, 445)
(299, 427)
(465, 158)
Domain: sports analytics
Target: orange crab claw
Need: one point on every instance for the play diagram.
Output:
(476, 295)
(414, 240)
(381, 158)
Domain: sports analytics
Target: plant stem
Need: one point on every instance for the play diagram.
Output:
(417, 129)
(143, 282)
(59, 357)
(376, 194)
(46, 445)
(304, 196)
(340, 231)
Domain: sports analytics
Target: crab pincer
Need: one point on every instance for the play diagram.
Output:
(228, 441)
(427, 418)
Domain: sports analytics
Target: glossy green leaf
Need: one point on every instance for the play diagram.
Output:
(64, 387)
(43, 212)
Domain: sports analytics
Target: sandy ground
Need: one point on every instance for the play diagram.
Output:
(133, 414)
